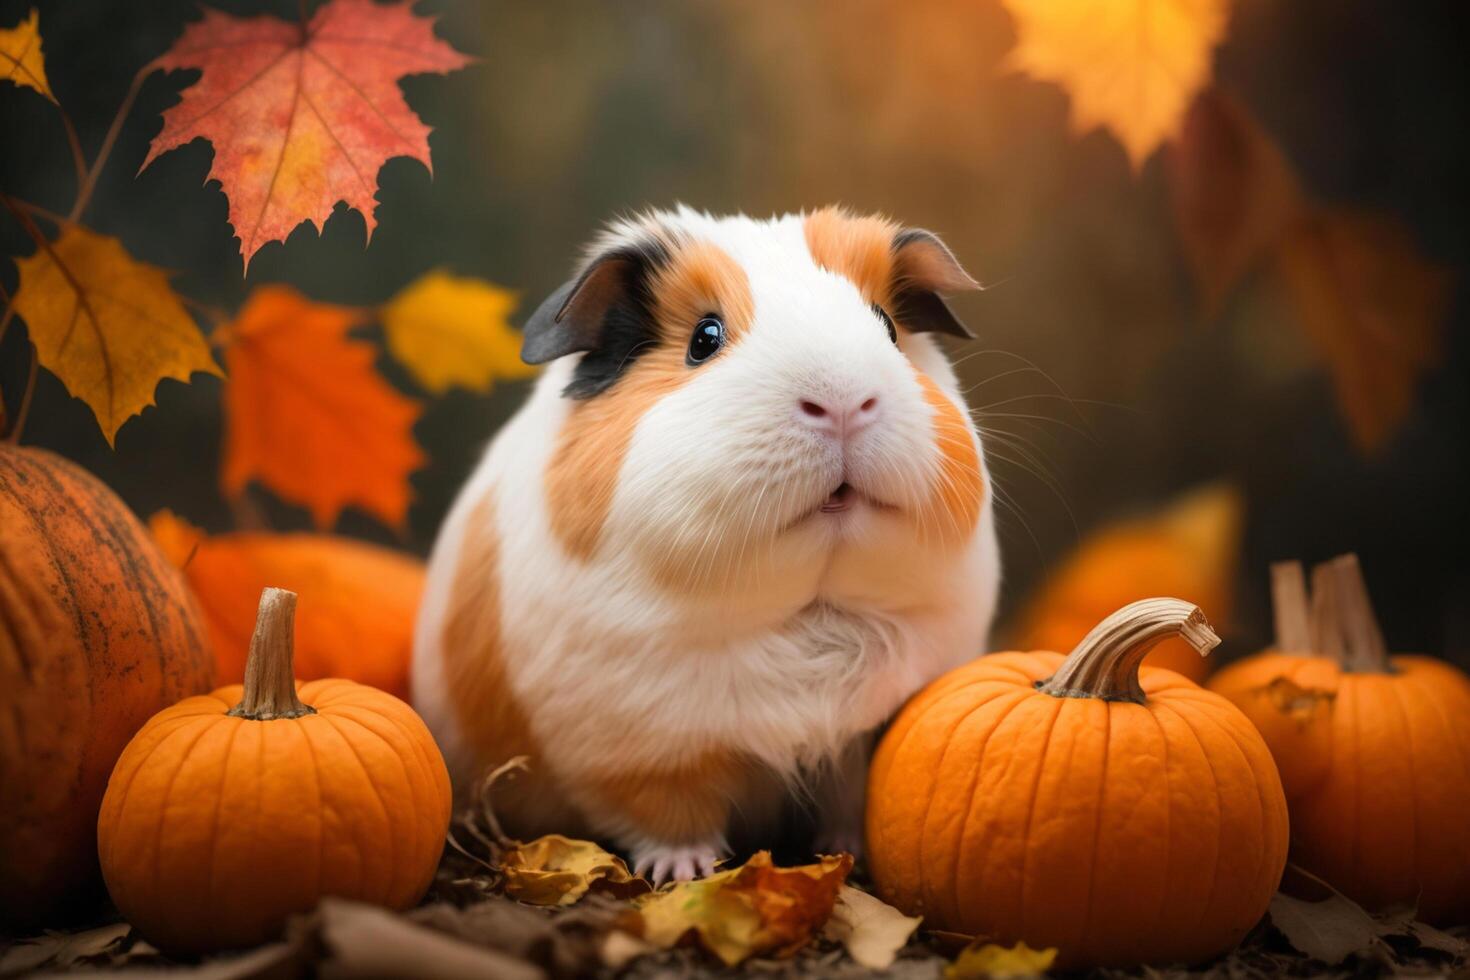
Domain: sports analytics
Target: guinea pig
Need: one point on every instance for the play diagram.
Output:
(743, 516)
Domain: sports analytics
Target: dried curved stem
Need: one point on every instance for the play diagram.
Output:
(1105, 664)
(270, 683)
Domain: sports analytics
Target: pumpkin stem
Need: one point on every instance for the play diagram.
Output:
(1289, 603)
(270, 682)
(1105, 664)
(1343, 621)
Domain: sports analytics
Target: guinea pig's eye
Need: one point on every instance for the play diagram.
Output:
(882, 314)
(709, 336)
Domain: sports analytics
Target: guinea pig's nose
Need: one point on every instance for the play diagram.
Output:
(842, 418)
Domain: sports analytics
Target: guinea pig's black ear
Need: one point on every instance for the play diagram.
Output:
(571, 319)
(924, 269)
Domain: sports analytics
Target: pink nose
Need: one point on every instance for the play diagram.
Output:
(839, 418)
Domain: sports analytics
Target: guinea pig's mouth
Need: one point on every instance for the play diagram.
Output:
(840, 499)
(846, 497)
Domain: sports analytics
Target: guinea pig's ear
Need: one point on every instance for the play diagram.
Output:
(571, 319)
(923, 270)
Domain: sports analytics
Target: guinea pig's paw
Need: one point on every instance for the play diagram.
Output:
(837, 840)
(675, 862)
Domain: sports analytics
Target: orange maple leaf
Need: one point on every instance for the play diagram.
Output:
(1371, 303)
(306, 414)
(302, 116)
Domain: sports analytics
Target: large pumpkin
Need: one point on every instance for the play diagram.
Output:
(1374, 750)
(359, 601)
(1189, 549)
(97, 632)
(232, 811)
(1124, 816)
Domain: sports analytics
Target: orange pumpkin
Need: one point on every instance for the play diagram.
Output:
(1188, 549)
(1374, 751)
(1124, 816)
(359, 601)
(230, 812)
(97, 632)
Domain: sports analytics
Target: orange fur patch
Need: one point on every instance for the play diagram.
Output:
(492, 721)
(860, 248)
(959, 487)
(583, 473)
(688, 803)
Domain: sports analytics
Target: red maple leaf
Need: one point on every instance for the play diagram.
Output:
(302, 116)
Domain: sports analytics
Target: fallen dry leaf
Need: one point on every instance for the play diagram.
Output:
(1233, 193)
(306, 414)
(358, 604)
(1130, 66)
(59, 950)
(557, 870)
(871, 930)
(1374, 308)
(1330, 930)
(999, 962)
(367, 941)
(21, 61)
(302, 116)
(568, 943)
(1336, 927)
(756, 908)
(451, 330)
(1189, 548)
(110, 327)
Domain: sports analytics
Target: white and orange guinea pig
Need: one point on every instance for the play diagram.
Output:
(743, 516)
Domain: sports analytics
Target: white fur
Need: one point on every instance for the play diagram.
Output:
(789, 638)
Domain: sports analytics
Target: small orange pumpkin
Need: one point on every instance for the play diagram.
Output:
(97, 632)
(359, 601)
(230, 812)
(1188, 548)
(1124, 816)
(1374, 751)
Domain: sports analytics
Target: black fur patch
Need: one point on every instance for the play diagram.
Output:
(628, 328)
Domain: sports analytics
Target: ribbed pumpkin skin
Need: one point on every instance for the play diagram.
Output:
(1376, 769)
(1120, 833)
(358, 603)
(215, 829)
(97, 632)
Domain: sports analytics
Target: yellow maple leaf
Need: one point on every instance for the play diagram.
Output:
(110, 327)
(452, 330)
(1130, 66)
(557, 870)
(755, 908)
(998, 962)
(20, 55)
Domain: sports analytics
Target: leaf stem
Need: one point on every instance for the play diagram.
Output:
(78, 159)
(46, 214)
(13, 436)
(89, 182)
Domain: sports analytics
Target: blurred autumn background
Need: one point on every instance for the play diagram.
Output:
(1257, 291)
